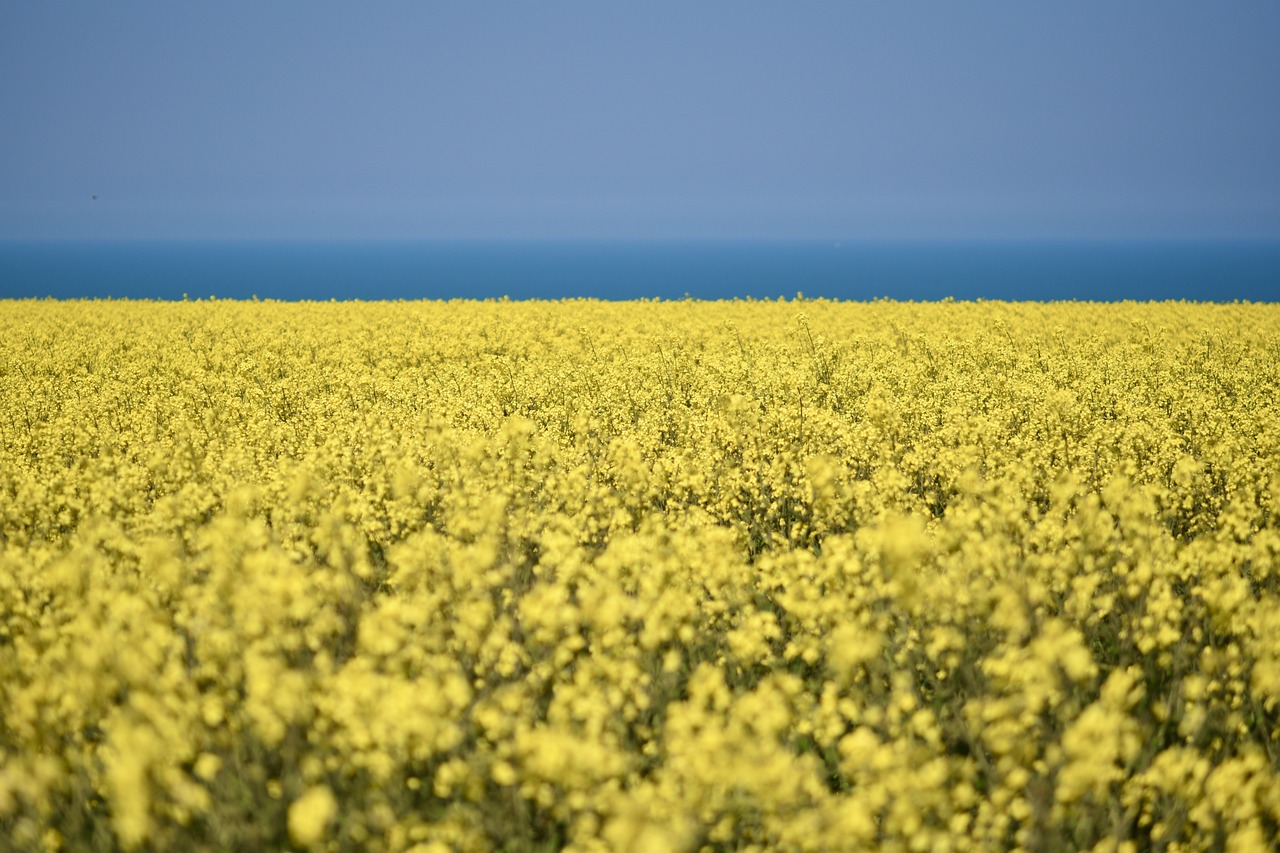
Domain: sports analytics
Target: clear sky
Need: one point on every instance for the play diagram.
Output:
(1125, 118)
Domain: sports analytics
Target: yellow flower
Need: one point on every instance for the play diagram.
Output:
(310, 815)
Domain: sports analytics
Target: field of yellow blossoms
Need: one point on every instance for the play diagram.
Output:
(649, 576)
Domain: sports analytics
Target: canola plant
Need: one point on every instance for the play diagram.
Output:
(799, 575)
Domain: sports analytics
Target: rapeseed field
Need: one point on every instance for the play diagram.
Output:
(648, 576)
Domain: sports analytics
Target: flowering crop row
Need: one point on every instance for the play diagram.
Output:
(647, 576)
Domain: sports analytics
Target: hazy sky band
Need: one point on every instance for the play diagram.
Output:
(708, 119)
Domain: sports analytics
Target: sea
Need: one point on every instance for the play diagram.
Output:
(1095, 271)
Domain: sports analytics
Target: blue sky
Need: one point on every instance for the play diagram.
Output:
(744, 119)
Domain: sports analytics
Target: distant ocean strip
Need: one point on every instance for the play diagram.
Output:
(848, 270)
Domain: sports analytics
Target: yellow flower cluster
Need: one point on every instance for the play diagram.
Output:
(646, 576)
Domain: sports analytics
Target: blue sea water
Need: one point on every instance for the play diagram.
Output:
(1092, 271)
